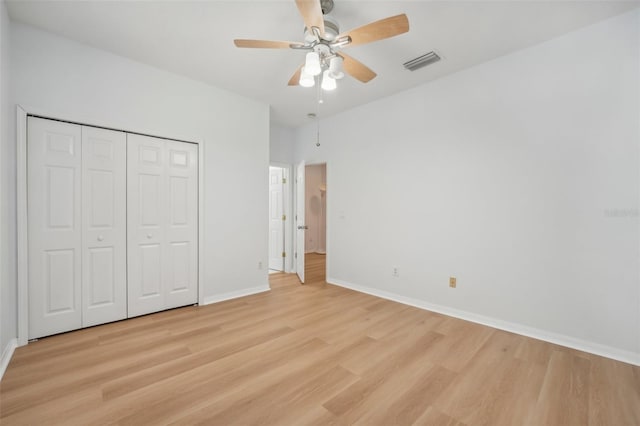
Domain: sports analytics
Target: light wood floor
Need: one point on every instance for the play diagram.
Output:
(311, 354)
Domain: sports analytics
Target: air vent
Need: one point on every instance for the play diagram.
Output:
(422, 61)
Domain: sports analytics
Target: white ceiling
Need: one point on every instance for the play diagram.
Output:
(195, 39)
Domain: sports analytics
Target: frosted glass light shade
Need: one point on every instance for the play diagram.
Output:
(328, 82)
(312, 64)
(306, 79)
(335, 68)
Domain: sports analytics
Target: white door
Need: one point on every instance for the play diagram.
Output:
(104, 226)
(300, 225)
(276, 219)
(180, 260)
(162, 215)
(145, 224)
(55, 230)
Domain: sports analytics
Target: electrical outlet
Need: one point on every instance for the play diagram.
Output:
(395, 272)
(452, 282)
(259, 264)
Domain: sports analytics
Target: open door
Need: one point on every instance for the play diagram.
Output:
(300, 226)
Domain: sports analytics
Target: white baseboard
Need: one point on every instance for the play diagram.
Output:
(7, 353)
(235, 294)
(547, 336)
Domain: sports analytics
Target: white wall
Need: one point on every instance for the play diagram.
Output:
(519, 176)
(8, 326)
(77, 82)
(281, 144)
(315, 208)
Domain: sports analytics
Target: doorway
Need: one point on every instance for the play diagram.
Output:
(278, 217)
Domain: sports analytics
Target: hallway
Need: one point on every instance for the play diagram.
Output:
(315, 268)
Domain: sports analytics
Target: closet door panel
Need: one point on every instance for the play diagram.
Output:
(162, 224)
(104, 282)
(146, 214)
(181, 268)
(54, 220)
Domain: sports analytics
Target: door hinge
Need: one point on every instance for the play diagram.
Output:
(296, 255)
(284, 180)
(284, 217)
(284, 254)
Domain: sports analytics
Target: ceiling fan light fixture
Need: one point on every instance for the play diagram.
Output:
(312, 64)
(322, 38)
(306, 79)
(328, 82)
(335, 68)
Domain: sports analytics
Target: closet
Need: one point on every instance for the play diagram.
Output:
(112, 225)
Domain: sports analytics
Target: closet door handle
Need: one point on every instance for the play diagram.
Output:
(149, 236)
(100, 238)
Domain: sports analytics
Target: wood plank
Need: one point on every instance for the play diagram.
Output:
(564, 398)
(150, 376)
(433, 417)
(413, 401)
(359, 395)
(495, 388)
(615, 393)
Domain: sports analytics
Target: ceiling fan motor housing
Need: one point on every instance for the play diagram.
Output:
(326, 6)
(331, 30)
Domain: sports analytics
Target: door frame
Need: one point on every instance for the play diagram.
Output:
(301, 165)
(287, 208)
(327, 215)
(22, 112)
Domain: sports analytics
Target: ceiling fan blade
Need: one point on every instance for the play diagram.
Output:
(295, 78)
(311, 14)
(357, 69)
(379, 30)
(265, 44)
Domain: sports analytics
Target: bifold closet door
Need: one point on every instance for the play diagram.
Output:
(77, 226)
(104, 225)
(55, 229)
(162, 209)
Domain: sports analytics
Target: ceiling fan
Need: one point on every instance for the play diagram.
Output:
(324, 42)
